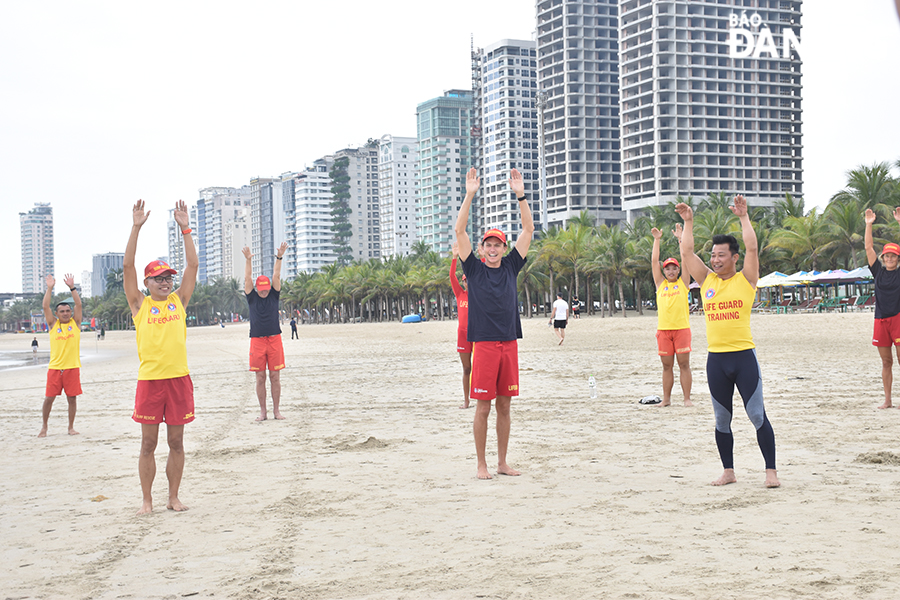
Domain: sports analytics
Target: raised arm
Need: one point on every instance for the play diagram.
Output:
(523, 242)
(69, 280)
(454, 282)
(276, 273)
(248, 270)
(869, 243)
(49, 317)
(692, 263)
(654, 258)
(129, 273)
(751, 246)
(191, 262)
(462, 219)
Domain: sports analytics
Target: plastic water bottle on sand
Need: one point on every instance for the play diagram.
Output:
(592, 385)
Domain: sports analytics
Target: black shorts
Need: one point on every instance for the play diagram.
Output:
(559, 324)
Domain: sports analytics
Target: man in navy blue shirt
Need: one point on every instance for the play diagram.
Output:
(494, 324)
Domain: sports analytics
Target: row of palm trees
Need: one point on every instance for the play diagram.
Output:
(608, 266)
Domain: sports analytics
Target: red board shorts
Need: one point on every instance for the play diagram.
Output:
(266, 352)
(887, 332)
(673, 341)
(495, 370)
(463, 346)
(164, 400)
(63, 379)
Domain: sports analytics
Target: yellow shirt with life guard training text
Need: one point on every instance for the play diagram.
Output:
(65, 346)
(727, 304)
(161, 329)
(672, 305)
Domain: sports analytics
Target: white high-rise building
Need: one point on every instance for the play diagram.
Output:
(216, 207)
(313, 247)
(176, 258)
(86, 287)
(578, 79)
(398, 159)
(362, 168)
(36, 228)
(696, 121)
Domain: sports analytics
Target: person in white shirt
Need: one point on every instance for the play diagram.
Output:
(560, 317)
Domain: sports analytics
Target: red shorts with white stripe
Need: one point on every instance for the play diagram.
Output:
(495, 370)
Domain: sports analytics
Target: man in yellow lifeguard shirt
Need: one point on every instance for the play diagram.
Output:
(165, 392)
(64, 370)
(727, 295)
(673, 332)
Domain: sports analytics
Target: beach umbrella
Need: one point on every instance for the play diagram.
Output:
(773, 279)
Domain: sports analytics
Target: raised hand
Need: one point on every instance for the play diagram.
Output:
(281, 249)
(516, 182)
(740, 206)
(138, 214)
(181, 215)
(455, 250)
(247, 254)
(870, 216)
(896, 214)
(472, 181)
(684, 211)
(50, 280)
(656, 233)
(69, 280)
(677, 232)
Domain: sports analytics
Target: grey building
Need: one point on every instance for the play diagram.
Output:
(102, 264)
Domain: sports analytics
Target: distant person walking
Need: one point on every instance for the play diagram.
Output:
(294, 329)
(266, 349)
(34, 346)
(64, 370)
(463, 345)
(887, 302)
(576, 308)
(560, 317)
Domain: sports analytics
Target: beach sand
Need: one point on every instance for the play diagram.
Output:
(368, 489)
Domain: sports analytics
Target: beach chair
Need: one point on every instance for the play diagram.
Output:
(869, 303)
(813, 305)
(860, 301)
(802, 305)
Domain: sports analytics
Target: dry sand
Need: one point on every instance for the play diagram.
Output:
(368, 489)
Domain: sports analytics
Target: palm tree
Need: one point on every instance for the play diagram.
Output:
(804, 238)
(114, 282)
(871, 187)
(846, 225)
(612, 257)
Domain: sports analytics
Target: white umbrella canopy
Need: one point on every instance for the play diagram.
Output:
(773, 279)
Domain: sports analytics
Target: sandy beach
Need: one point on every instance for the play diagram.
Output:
(368, 491)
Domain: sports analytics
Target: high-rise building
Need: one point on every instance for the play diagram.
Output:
(505, 89)
(236, 236)
(262, 226)
(313, 245)
(362, 168)
(578, 78)
(176, 257)
(398, 159)
(696, 121)
(216, 207)
(446, 132)
(87, 288)
(36, 227)
(102, 265)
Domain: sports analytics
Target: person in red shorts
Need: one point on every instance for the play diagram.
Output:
(887, 302)
(64, 370)
(165, 393)
(266, 349)
(673, 332)
(494, 326)
(463, 345)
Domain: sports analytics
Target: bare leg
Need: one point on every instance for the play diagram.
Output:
(45, 414)
(482, 410)
(668, 362)
(684, 366)
(261, 395)
(175, 465)
(466, 359)
(275, 380)
(72, 407)
(726, 478)
(503, 422)
(772, 479)
(887, 374)
(147, 465)
(562, 336)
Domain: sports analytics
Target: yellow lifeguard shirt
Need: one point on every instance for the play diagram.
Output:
(161, 329)
(727, 304)
(672, 305)
(65, 345)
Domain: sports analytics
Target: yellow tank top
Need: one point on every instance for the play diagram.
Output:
(727, 304)
(65, 343)
(161, 329)
(672, 305)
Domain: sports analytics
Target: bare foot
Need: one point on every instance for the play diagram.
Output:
(279, 416)
(176, 505)
(43, 432)
(665, 403)
(73, 432)
(561, 341)
(688, 402)
(887, 404)
(261, 418)
(483, 472)
(726, 478)
(465, 405)
(507, 470)
(772, 479)
(146, 508)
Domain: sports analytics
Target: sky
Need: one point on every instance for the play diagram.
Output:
(105, 103)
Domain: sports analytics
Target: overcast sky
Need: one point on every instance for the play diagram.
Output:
(105, 103)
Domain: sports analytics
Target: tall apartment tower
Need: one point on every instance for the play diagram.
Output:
(505, 90)
(447, 132)
(696, 121)
(176, 257)
(365, 217)
(398, 162)
(313, 246)
(101, 265)
(36, 228)
(578, 77)
(216, 207)
(262, 226)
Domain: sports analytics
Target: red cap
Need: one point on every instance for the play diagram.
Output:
(263, 283)
(494, 233)
(161, 267)
(891, 248)
(670, 261)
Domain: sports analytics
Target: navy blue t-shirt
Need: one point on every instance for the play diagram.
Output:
(887, 290)
(493, 299)
(263, 314)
